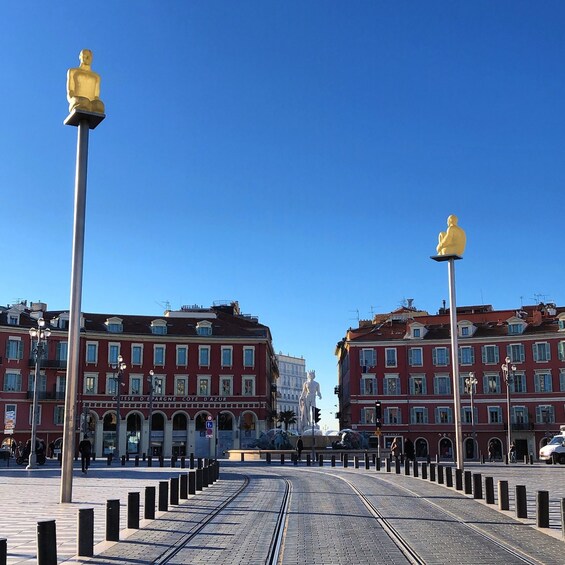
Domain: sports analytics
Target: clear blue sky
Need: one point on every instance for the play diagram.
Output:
(299, 157)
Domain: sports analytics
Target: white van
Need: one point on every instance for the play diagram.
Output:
(554, 451)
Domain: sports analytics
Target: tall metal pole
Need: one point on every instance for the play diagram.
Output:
(455, 363)
(150, 380)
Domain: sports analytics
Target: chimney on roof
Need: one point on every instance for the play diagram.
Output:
(410, 302)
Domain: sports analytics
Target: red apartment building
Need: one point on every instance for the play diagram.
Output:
(403, 359)
(213, 382)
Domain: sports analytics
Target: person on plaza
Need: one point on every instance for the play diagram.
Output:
(85, 448)
(299, 447)
(409, 450)
(491, 451)
(51, 450)
(395, 448)
(512, 452)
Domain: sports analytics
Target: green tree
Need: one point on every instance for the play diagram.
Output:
(287, 417)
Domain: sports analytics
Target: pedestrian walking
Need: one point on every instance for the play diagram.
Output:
(512, 452)
(491, 450)
(299, 447)
(85, 448)
(395, 448)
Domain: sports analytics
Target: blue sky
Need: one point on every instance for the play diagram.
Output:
(299, 157)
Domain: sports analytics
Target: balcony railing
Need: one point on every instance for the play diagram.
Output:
(46, 395)
(49, 363)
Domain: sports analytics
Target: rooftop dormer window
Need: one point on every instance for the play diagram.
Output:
(114, 325)
(204, 328)
(159, 327)
(415, 331)
(465, 328)
(516, 326)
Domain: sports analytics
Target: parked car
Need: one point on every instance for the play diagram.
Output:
(554, 451)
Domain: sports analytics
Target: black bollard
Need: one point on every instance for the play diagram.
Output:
(356, 462)
(440, 474)
(345, 461)
(282, 458)
(3, 551)
(109, 460)
(133, 510)
(503, 498)
(85, 542)
(144, 457)
(137, 460)
(458, 479)
(477, 486)
(205, 478)
(183, 482)
(149, 509)
(46, 543)
(192, 481)
(199, 462)
(183, 462)
(424, 470)
(150, 461)
(268, 458)
(407, 466)
(320, 460)
(308, 460)
(388, 465)
(449, 477)
(397, 466)
(531, 458)
(433, 472)
(333, 460)
(521, 502)
(192, 460)
(112, 520)
(161, 461)
(123, 460)
(489, 490)
(173, 461)
(174, 494)
(199, 479)
(415, 467)
(468, 482)
(163, 496)
(542, 503)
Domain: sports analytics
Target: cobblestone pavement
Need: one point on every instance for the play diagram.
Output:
(327, 522)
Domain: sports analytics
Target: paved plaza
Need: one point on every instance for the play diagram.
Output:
(318, 507)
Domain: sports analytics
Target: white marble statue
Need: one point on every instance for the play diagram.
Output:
(307, 400)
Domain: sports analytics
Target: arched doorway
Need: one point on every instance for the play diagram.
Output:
(247, 430)
(421, 447)
(157, 434)
(109, 433)
(495, 449)
(225, 432)
(202, 439)
(180, 427)
(445, 448)
(469, 448)
(133, 438)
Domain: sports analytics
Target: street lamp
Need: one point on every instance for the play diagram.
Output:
(41, 333)
(151, 388)
(120, 367)
(508, 372)
(470, 384)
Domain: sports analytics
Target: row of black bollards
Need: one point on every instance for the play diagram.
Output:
(170, 492)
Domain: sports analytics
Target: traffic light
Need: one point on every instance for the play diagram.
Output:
(378, 410)
(317, 416)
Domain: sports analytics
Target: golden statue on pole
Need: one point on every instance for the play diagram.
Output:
(83, 86)
(452, 241)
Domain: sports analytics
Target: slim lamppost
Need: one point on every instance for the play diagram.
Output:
(508, 372)
(120, 368)
(41, 333)
(470, 384)
(151, 388)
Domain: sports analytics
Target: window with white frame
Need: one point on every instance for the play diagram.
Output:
(181, 385)
(418, 415)
(136, 354)
(248, 386)
(159, 355)
(159, 385)
(390, 357)
(368, 416)
(392, 415)
(62, 351)
(13, 320)
(391, 385)
(515, 328)
(90, 383)
(249, 357)
(467, 417)
(39, 408)
(204, 328)
(561, 380)
(415, 357)
(135, 384)
(227, 356)
(542, 352)
(14, 349)
(203, 385)
(42, 382)
(490, 354)
(13, 381)
(111, 384)
(92, 352)
(369, 385)
(418, 385)
(113, 353)
(519, 414)
(494, 414)
(444, 415)
(114, 325)
(367, 358)
(226, 386)
(466, 355)
(516, 352)
(442, 384)
(518, 383)
(491, 383)
(204, 355)
(182, 355)
(61, 386)
(440, 356)
(561, 350)
(59, 415)
(416, 332)
(545, 414)
(159, 327)
(542, 381)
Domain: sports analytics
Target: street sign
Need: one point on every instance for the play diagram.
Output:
(209, 425)
(209, 418)
(209, 433)
(378, 432)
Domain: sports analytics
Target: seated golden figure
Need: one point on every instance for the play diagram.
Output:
(83, 86)
(452, 241)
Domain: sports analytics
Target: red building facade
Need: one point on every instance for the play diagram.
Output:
(403, 359)
(212, 386)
